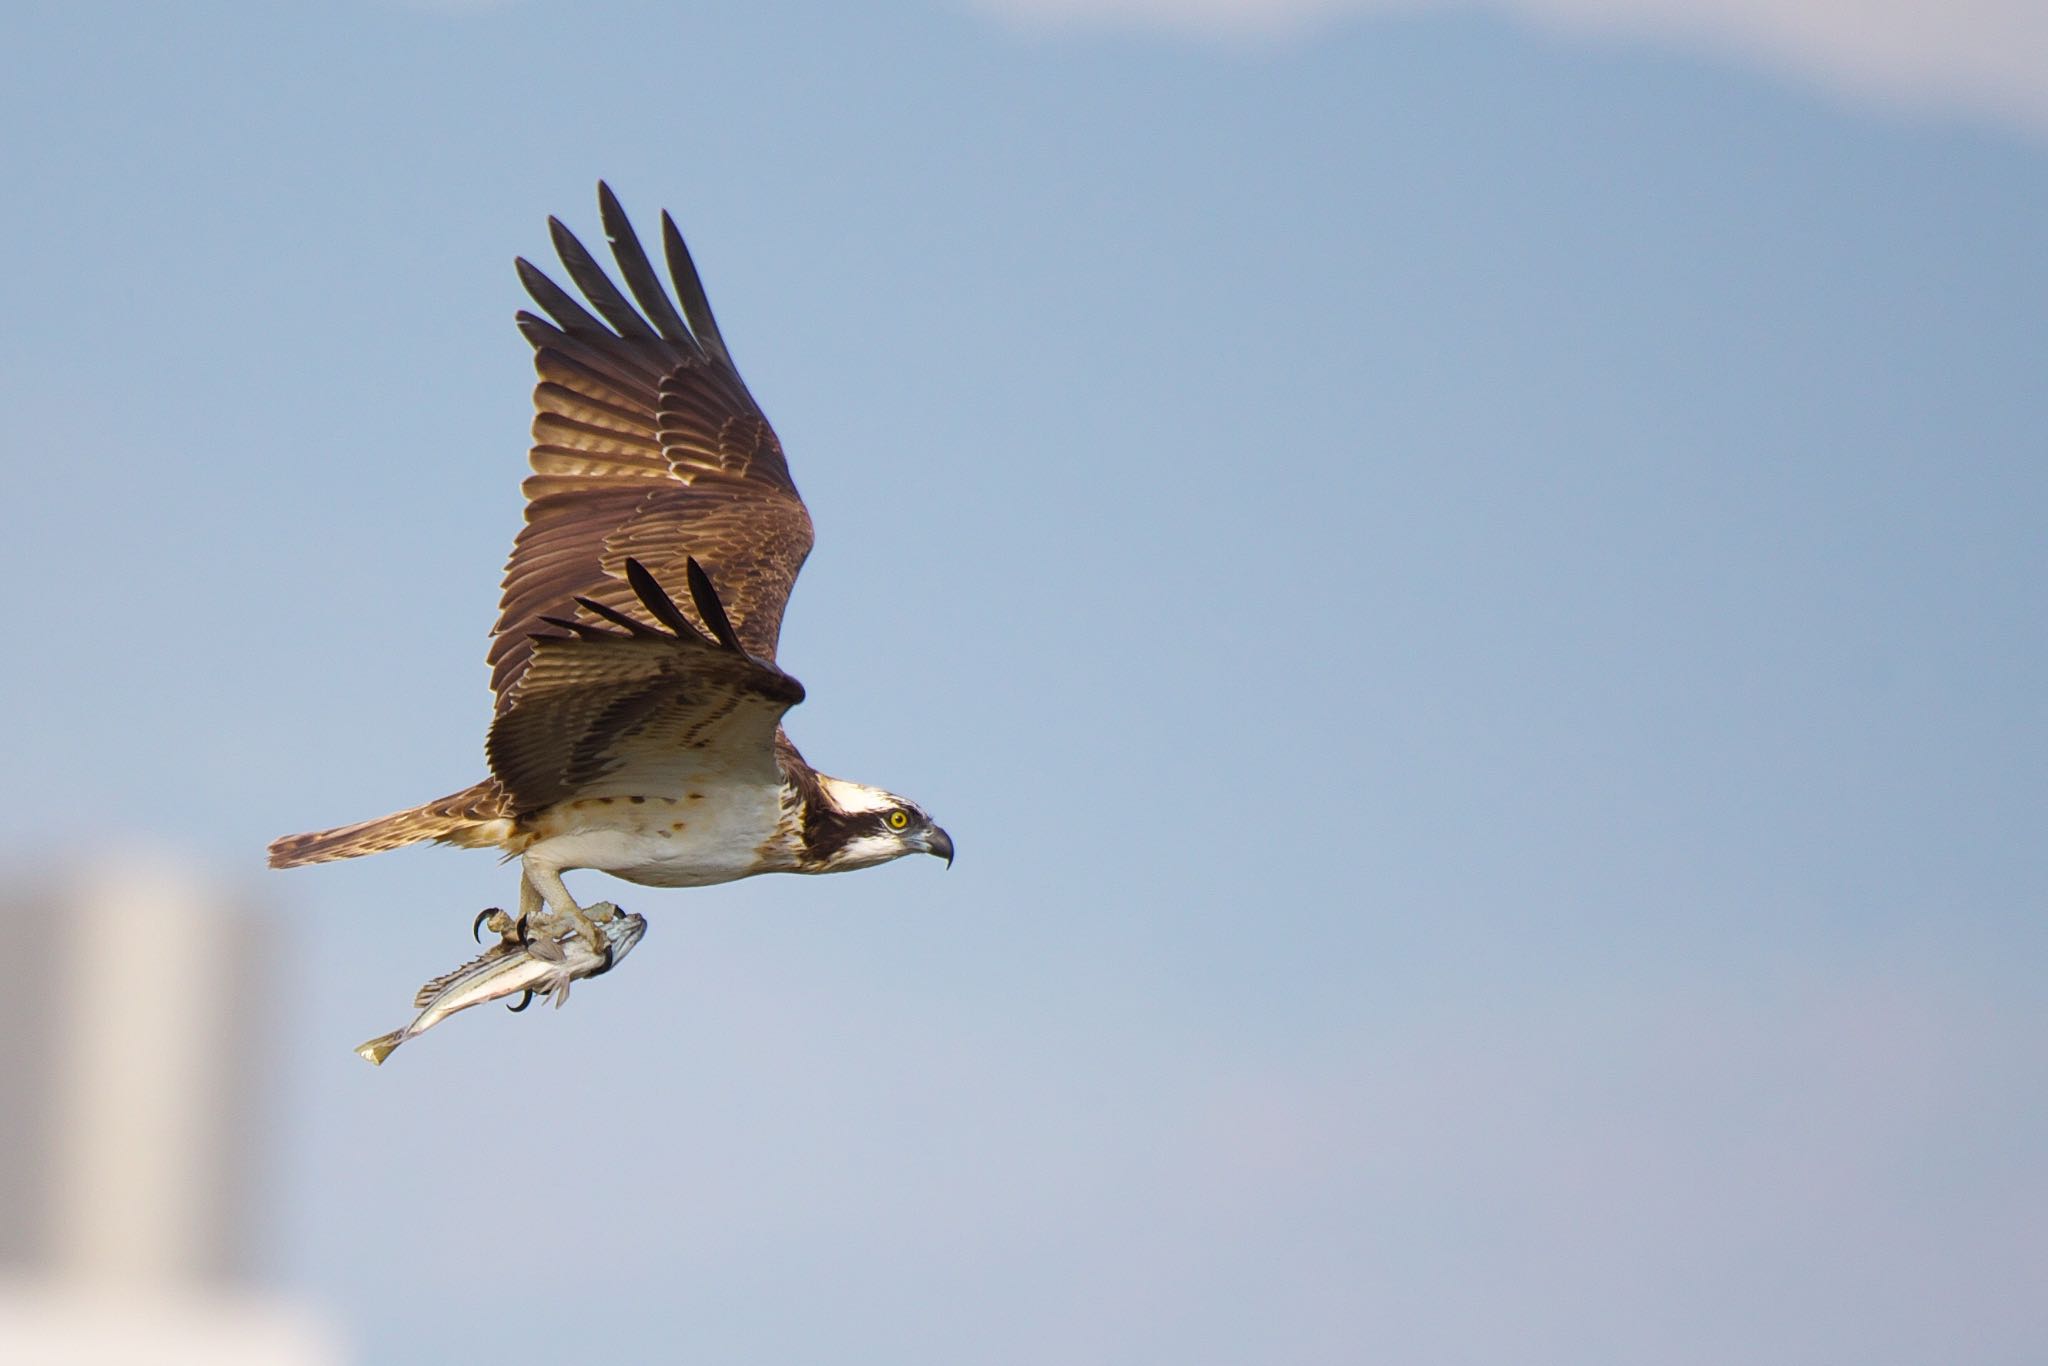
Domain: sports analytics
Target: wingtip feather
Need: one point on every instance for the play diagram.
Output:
(656, 599)
(638, 272)
(709, 607)
(690, 290)
(616, 617)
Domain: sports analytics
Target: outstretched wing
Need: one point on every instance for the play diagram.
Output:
(628, 709)
(647, 446)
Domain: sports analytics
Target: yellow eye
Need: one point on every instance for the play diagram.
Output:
(898, 819)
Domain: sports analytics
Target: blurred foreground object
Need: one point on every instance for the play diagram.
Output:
(132, 1019)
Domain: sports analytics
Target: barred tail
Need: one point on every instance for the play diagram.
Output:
(467, 818)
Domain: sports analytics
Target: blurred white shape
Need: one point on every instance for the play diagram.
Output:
(132, 1026)
(54, 1325)
(1984, 57)
(141, 1100)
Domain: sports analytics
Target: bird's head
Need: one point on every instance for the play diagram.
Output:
(857, 826)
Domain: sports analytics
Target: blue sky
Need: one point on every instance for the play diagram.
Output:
(1470, 595)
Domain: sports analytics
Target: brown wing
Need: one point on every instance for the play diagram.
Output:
(631, 709)
(647, 446)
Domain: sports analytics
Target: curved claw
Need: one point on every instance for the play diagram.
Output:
(610, 961)
(525, 933)
(476, 926)
(525, 1000)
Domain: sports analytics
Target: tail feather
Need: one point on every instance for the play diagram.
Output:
(466, 818)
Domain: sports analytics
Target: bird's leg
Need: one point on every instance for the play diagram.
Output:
(543, 883)
(530, 904)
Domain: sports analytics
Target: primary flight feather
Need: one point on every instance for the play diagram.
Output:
(638, 729)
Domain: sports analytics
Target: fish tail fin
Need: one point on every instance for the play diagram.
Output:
(470, 818)
(376, 1050)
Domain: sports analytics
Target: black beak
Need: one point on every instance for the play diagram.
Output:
(937, 841)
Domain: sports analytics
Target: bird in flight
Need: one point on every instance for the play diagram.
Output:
(638, 724)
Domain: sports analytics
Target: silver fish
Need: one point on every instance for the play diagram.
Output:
(544, 967)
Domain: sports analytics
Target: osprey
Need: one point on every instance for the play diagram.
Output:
(639, 732)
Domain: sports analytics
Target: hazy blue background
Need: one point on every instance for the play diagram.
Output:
(1472, 599)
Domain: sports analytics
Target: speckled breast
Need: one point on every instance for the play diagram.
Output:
(693, 840)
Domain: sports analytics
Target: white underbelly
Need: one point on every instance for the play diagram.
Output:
(664, 842)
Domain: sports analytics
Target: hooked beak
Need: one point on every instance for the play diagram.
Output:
(937, 841)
